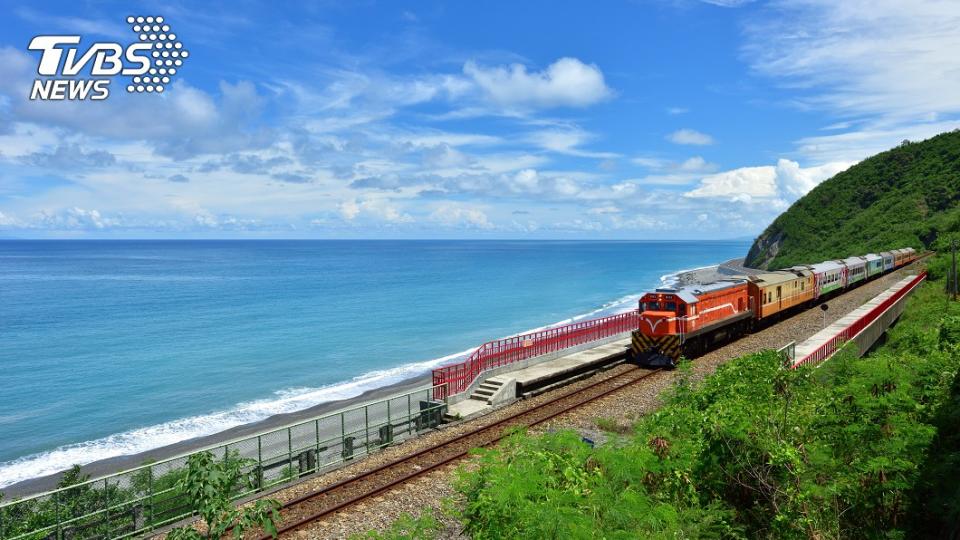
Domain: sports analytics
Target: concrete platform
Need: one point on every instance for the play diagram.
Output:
(553, 369)
(866, 337)
(538, 376)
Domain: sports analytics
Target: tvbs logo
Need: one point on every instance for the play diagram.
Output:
(151, 63)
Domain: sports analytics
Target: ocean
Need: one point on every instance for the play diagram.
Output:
(110, 348)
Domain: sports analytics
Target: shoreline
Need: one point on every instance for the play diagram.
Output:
(108, 466)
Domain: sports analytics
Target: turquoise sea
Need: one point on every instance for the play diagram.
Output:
(115, 347)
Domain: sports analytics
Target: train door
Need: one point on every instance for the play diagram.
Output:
(779, 298)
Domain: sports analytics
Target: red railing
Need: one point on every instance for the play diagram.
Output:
(457, 378)
(836, 342)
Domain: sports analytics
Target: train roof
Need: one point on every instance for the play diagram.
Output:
(886, 254)
(773, 278)
(826, 266)
(800, 270)
(691, 293)
(853, 261)
(870, 257)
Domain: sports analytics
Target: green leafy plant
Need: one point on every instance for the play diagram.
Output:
(210, 483)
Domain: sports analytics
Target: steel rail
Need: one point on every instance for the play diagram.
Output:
(505, 422)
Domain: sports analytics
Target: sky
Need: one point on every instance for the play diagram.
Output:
(677, 119)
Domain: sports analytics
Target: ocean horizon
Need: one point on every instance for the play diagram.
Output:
(115, 347)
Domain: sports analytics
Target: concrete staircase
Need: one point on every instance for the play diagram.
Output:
(486, 390)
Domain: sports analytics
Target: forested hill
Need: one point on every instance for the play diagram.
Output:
(907, 196)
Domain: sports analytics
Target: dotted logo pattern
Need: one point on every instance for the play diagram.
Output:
(168, 54)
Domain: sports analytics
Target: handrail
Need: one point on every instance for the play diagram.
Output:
(456, 378)
(833, 344)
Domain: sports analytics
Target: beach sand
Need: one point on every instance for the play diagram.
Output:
(728, 269)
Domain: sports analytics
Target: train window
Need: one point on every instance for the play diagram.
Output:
(671, 306)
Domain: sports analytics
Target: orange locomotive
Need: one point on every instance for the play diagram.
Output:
(688, 320)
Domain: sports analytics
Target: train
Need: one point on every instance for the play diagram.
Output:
(690, 320)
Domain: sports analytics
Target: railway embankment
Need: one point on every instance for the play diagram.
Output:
(602, 420)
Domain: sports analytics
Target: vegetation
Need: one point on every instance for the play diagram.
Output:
(858, 448)
(906, 196)
(150, 500)
(211, 484)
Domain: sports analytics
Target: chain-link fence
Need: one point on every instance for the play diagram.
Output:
(143, 499)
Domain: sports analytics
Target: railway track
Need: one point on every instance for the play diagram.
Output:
(310, 507)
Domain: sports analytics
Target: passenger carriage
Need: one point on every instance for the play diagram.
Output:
(856, 270)
(898, 258)
(774, 292)
(874, 264)
(888, 260)
(829, 276)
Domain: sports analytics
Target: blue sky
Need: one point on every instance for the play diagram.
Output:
(646, 120)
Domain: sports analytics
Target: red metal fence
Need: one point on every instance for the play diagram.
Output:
(833, 344)
(457, 378)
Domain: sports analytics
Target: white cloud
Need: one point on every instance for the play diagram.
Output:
(887, 70)
(566, 82)
(695, 164)
(9, 221)
(690, 136)
(728, 3)
(377, 209)
(786, 180)
(566, 141)
(751, 181)
(74, 218)
(455, 215)
(602, 210)
(794, 182)
(886, 58)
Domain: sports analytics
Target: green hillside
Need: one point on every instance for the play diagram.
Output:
(906, 196)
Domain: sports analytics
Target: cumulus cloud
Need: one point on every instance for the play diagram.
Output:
(566, 82)
(750, 181)
(794, 182)
(690, 136)
(786, 180)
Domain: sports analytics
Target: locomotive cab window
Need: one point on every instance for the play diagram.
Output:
(670, 306)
